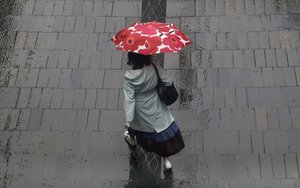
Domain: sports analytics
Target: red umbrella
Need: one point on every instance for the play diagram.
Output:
(150, 38)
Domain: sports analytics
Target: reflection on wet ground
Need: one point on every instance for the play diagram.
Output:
(144, 169)
(145, 172)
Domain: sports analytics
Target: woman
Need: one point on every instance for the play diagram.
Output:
(147, 119)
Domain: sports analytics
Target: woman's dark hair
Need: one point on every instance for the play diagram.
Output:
(138, 61)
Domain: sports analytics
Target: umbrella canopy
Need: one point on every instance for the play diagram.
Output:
(150, 38)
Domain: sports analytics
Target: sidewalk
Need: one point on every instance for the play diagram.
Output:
(61, 96)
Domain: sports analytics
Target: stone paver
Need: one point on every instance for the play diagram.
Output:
(61, 96)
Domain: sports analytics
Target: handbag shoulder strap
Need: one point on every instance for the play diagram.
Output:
(157, 74)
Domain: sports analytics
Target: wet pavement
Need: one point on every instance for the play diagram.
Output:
(61, 94)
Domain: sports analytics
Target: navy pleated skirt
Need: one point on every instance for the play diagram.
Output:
(165, 143)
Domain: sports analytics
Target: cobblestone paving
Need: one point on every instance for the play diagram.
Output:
(61, 94)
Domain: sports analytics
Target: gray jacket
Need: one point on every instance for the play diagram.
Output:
(143, 109)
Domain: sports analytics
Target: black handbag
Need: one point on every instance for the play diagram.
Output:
(167, 94)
